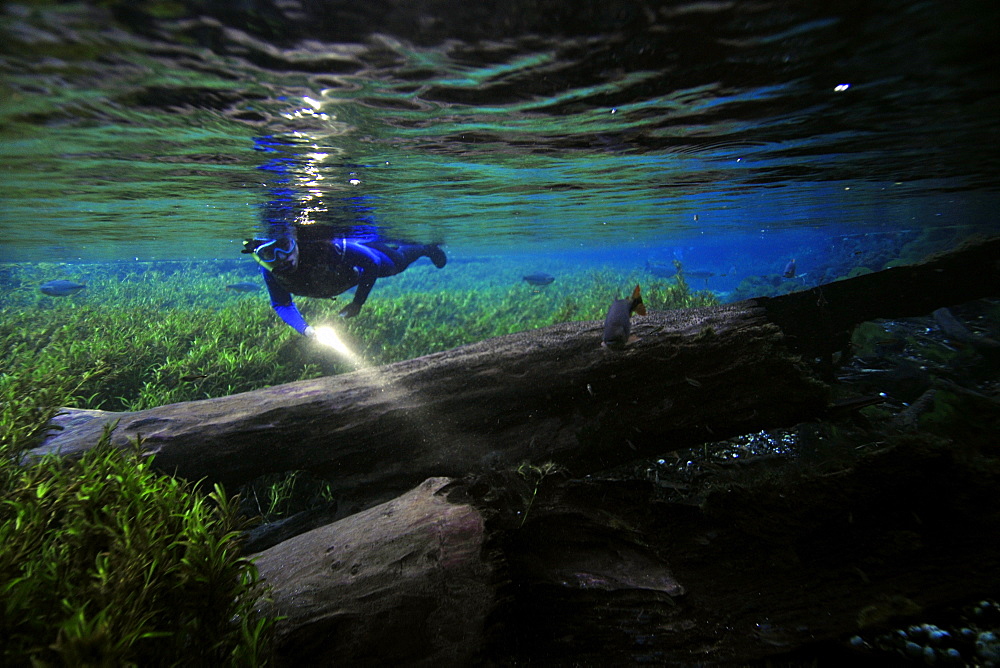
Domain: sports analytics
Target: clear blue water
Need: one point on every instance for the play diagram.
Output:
(733, 135)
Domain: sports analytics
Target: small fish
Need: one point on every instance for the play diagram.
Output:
(669, 271)
(789, 269)
(191, 377)
(617, 324)
(660, 269)
(245, 286)
(539, 278)
(731, 272)
(61, 288)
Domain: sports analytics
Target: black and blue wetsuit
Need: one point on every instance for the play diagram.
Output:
(329, 267)
(301, 256)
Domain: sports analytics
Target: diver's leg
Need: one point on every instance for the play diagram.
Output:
(400, 257)
(436, 255)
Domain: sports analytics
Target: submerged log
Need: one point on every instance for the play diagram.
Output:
(816, 320)
(401, 583)
(552, 394)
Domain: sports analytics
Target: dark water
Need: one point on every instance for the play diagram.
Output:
(652, 129)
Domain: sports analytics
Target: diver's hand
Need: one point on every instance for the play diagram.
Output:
(310, 333)
(350, 310)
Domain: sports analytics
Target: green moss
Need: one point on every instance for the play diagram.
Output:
(707, 333)
(952, 414)
(886, 609)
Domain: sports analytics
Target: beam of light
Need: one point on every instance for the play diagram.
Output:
(328, 336)
(422, 419)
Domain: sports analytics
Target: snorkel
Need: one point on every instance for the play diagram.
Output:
(277, 250)
(273, 254)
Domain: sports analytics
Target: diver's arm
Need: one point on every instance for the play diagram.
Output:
(366, 262)
(281, 302)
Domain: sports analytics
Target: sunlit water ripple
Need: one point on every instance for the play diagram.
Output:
(166, 129)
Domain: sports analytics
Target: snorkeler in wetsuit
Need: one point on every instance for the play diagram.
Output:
(326, 267)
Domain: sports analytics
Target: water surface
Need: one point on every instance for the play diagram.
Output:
(151, 130)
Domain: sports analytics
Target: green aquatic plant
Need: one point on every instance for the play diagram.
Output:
(859, 271)
(146, 335)
(100, 553)
(277, 495)
(107, 562)
(30, 399)
(534, 475)
(157, 338)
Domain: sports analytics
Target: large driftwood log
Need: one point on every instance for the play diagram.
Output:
(548, 394)
(402, 583)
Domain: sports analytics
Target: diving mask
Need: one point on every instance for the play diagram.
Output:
(273, 255)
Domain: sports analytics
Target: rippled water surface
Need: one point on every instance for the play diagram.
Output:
(172, 129)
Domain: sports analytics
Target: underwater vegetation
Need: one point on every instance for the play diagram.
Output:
(107, 562)
(275, 495)
(147, 336)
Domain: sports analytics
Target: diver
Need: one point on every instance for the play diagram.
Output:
(326, 266)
